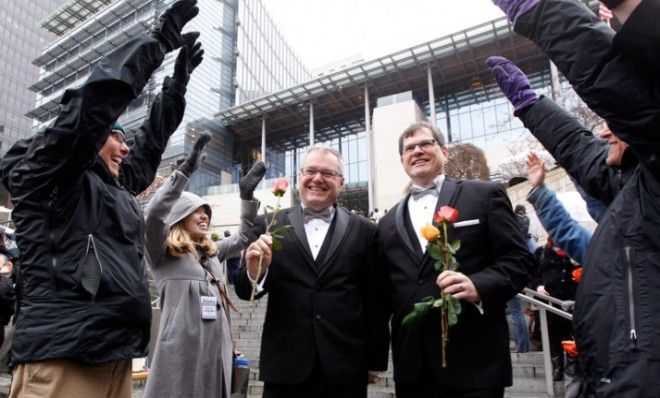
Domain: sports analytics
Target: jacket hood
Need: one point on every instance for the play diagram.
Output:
(186, 205)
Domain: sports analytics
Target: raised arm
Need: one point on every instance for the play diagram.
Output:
(165, 115)
(160, 206)
(564, 230)
(571, 144)
(232, 245)
(616, 86)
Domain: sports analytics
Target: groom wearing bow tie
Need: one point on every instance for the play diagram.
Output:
(322, 333)
(494, 265)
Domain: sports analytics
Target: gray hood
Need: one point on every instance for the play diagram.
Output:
(186, 205)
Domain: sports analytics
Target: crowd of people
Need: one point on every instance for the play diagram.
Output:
(339, 285)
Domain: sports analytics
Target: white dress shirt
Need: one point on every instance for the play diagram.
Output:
(315, 229)
(421, 210)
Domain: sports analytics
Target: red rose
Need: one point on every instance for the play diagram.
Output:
(570, 347)
(446, 214)
(577, 274)
(280, 186)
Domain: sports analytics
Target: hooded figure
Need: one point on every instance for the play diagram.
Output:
(193, 352)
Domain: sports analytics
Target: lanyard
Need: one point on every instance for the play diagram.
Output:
(223, 292)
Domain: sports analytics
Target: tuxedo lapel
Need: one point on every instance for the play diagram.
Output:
(340, 232)
(296, 221)
(402, 231)
(448, 194)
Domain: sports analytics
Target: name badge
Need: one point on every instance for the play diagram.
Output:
(209, 307)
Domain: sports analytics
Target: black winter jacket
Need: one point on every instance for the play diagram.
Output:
(618, 299)
(70, 213)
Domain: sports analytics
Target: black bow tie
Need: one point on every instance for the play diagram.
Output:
(417, 192)
(325, 215)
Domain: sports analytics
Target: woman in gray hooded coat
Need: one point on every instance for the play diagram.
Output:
(193, 353)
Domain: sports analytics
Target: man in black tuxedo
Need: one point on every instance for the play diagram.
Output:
(320, 334)
(494, 264)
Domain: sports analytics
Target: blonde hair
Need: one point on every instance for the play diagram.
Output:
(179, 242)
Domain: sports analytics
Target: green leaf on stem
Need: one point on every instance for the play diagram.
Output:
(453, 264)
(280, 229)
(453, 309)
(455, 245)
(277, 244)
(434, 251)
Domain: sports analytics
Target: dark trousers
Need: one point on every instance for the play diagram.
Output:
(428, 387)
(316, 386)
(432, 389)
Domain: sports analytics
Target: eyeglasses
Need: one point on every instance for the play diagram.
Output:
(327, 174)
(424, 145)
(118, 135)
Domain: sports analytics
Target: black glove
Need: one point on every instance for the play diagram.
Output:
(170, 23)
(189, 57)
(248, 183)
(193, 160)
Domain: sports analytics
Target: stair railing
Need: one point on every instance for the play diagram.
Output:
(544, 303)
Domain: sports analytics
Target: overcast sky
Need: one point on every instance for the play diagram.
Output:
(324, 31)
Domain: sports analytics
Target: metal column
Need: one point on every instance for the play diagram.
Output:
(429, 77)
(555, 84)
(370, 151)
(263, 140)
(311, 124)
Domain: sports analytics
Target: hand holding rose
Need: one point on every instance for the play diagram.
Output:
(458, 285)
(253, 254)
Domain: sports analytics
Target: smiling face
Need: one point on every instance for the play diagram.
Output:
(617, 148)
(197, 224)
(114, 151)
(422, 157)
(320, 180)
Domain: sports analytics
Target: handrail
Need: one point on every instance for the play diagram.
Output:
(534, 297)
(545, 303)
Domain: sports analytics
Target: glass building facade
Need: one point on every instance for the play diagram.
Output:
(21, 40)
(481, 116)
(235, 67)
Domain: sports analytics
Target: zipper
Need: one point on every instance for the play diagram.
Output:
(51, 237)
(631, 298)
(90, 242)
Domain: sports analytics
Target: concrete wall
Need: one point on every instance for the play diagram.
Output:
(227, 208)
(390, 180)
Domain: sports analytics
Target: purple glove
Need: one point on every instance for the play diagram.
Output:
(515, 8)
(512, 81)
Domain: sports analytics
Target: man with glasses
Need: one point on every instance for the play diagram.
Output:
(320, 335)
(494, 265)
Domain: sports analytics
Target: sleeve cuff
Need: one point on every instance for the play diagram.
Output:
(259, 286)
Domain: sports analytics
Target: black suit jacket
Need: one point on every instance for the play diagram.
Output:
(321, 310)
(493, 254)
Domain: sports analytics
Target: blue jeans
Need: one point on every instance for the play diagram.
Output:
(520, 332)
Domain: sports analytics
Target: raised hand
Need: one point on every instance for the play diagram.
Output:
(248, 183)
(535, 169)
(193, 160)
(515, 8)
(512, 81)
(190, 56)
(170, 23)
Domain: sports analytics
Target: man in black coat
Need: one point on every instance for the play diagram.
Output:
(494, 265)
(322, 332)
(614, 320)
(85, 309)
